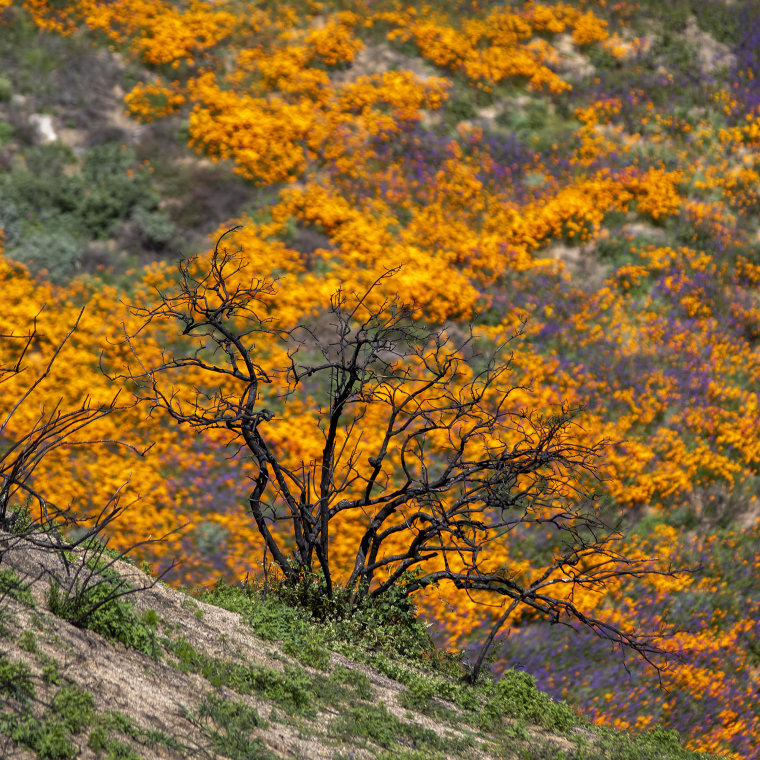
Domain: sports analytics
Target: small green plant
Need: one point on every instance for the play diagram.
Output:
(515, 695)
(517, 730)
(150, 618)
(354, 678)
(20, 520)
(11, 585)
(460, 107)
(419, 694)
(291, 689)
(425, 692)
(49, 740)
(74, 708)
(189, 604)
(95, 597)
(228, 725)
(375, 724)
(16, 680)
(70, 712)
(50, 673)
(190, 660)
(99, 606)
(308, 652)
(116, 750)
(409, 754)
(101, 740)
(28, 642)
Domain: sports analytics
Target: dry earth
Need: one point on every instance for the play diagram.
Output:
(155, 694)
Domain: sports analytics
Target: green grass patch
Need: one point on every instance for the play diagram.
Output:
(102, 739)
(74, 708)
(28, 641)
(291, 689)
(374, 724)
(309, 625)
(11, 585)
(658, 742)
(49, 736)
(97, 605)
(515, 695)
(353, 679)
(228, 724)
(16, 680)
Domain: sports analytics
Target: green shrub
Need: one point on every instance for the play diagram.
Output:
(113, 188)
(270, 618)
(73, 708)
(309, 622)
(459, 107)
(28, 642)
(657, 742)
(38, 193)
(49, 210)
(515, 695)
(419, 694)
(96, 605)
(50, 672)
(16, 679)
(228, 724)
(21, 520)
(157, 229)
(11, 585)
(49, 739)
(55, 250)
(386, 623)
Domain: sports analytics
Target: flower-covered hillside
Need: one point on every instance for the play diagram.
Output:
(590, 169)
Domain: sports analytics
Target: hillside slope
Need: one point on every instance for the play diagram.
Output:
(170, 676)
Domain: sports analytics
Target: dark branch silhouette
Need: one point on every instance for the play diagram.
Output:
(455, 466)
(45, 537)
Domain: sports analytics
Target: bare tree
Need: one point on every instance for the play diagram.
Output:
(54, 428)
(69, 544)
(457, 469)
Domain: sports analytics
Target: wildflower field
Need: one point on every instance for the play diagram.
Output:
(586, 173)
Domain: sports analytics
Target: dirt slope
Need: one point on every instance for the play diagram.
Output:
(207, 667)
